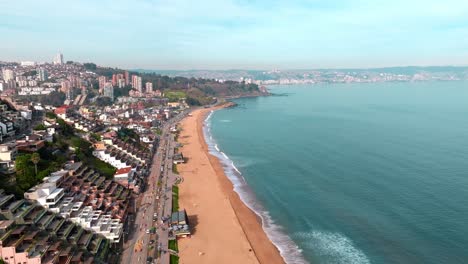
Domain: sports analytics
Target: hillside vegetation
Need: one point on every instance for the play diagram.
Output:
(197, 91)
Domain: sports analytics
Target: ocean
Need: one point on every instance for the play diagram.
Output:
(353, 173)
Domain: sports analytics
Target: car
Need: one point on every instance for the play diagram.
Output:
(149, 260)
(151, 241)
(147, 231)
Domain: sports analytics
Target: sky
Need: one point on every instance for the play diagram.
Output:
(237, 34)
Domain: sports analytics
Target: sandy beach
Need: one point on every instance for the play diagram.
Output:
(225, 229)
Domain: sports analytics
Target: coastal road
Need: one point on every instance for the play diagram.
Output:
(136, 249)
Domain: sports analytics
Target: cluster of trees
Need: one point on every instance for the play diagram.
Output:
(103, 101)
(82, 149)
(55, 98)
(90, 66)
(31, 168)
(128, 135)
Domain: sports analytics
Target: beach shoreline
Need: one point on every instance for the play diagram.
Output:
(247, 237)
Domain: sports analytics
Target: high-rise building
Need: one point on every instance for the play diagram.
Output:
(127, 78)
(42, 74)
(116, 78)
(11, 84)
(8, 75)
(102, 82)
(75, 81)
(109, 90)
(58, 59)
(66, 85)
(149, 87)
(137, 83)
(121, 83)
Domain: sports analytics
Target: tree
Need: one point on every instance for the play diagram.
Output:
(51, 115)
(103, 101)
(66, 129)
(193, 101)
(90, 66)
(35, 158)
(54, 98)
(40, 127)
(24, 172)
(95, 136)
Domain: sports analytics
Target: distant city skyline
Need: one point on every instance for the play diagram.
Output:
(237, 34)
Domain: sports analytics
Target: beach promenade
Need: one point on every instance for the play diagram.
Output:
(140, 245)
(225, 230)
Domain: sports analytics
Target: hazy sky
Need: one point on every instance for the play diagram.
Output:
(226, 34)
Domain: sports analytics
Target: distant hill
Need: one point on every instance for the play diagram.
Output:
(198, 91)
(236, 74)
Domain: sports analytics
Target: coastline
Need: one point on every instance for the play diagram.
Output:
(248, 242)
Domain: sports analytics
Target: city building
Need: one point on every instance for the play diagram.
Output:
(116, 78)
(8, 75)
(121, 83)
(28, 63)
(127, 78)
(102, 82)
(109, 90)
(58, 59)
(30, 234)
(137, 83)
(65, 87)
(149, 87)
(8, 154)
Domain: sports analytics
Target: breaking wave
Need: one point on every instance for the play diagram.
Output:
(332, 248)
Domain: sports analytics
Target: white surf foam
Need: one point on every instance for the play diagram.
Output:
(290, 252)
(333, 248)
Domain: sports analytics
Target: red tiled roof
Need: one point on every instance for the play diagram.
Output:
(61, 110)
(123, 170)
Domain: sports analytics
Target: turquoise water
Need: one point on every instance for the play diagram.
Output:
(353, 173)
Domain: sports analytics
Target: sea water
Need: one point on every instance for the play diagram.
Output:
(353, 173)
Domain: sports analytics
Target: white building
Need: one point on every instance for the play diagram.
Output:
(149, 87)
(47, 194)
(42, 74)
(28, 63)
(109, 90)
(58, 59)
(8, 154)
(137, 83)
(8, 75)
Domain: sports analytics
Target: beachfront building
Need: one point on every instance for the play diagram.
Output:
(178, 158)
(179, 224)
